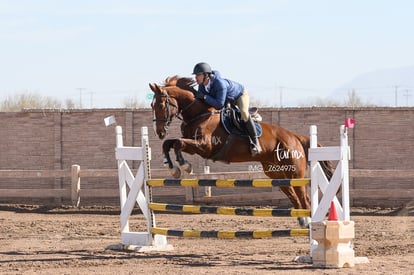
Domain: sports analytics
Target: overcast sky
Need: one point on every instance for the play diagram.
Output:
(108, 51)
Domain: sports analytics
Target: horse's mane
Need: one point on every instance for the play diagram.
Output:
(185, 83)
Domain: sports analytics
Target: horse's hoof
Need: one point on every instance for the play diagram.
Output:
(175, 172)
(304, 222)
(187, 167)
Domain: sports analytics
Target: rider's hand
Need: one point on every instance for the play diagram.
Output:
(199, 95)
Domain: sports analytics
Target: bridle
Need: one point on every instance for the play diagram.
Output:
(171, 103)
(168, 105)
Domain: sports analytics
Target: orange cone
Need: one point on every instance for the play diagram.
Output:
(333, 216)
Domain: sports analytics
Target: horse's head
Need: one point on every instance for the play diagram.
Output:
(164, 108)
(175, 98)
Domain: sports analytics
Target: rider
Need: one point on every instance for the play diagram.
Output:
(217, 91)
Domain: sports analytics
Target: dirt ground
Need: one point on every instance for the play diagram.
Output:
(75, 241)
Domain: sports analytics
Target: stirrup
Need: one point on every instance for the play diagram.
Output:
(255, 150)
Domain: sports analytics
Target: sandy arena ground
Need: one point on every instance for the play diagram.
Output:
(71, 241)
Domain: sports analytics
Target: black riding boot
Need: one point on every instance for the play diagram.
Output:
(254, 140)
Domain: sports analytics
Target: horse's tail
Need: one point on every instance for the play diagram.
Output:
(327, 166)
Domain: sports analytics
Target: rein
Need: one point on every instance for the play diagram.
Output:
(201, 116)
(168, 118)
(167, 109)
(194, 118)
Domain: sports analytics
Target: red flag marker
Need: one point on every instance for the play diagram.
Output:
(349, 123)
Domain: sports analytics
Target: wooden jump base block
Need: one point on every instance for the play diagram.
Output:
(256, 234)
(228, 182)
(259, 212)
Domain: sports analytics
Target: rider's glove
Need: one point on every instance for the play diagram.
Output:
(199, 95)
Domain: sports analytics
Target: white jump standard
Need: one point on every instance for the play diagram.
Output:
(138, 193)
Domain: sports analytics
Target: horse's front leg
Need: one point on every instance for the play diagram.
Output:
(166, 146)
(189, 146)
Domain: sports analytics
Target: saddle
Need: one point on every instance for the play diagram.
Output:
(231, 119)
(232, 122)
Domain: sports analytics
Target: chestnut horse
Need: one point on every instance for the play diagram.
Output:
(284, 154)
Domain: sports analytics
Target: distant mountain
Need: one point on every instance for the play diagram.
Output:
(387, 87)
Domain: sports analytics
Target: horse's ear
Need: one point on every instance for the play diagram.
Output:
(154, 87)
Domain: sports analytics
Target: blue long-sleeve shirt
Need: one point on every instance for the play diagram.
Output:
(221, 90)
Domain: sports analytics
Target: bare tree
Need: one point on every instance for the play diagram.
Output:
(70, 104)
(28, 101)
(134, 103)
(353, 100)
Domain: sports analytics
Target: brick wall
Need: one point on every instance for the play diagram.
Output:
(40, 139)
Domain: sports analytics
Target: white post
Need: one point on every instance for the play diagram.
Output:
(207, 189)
(146, 158)
(121, 178)
(313, 166)
(313, 133)
(156, 240)
(119, 140)
(346, 156)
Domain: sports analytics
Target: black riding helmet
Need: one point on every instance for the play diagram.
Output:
(202, 67)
